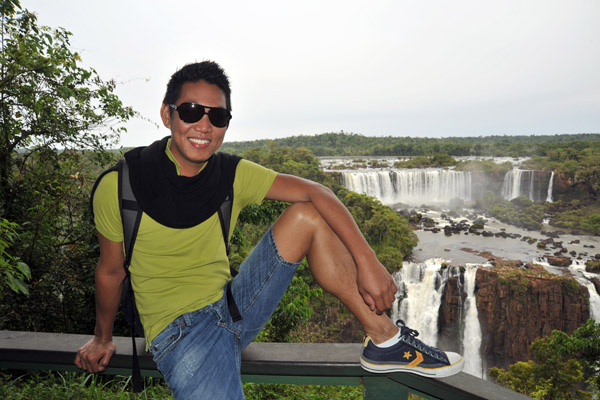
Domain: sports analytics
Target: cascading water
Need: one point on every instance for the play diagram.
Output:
(550, 184)
(421, 286)
(577, 269)
(532, 184)
(471, 339)
(410, 186)
(420, 290)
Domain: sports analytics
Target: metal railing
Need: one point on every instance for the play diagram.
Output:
(290, 363)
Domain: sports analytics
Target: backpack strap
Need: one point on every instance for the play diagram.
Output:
(225, 219)
(131, 215)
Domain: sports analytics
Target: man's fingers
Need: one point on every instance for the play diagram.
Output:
(103, 362)
(369, 301)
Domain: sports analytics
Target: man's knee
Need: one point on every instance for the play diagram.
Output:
(302, 215)
(295, 229)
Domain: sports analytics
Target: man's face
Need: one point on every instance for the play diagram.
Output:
(193, 143)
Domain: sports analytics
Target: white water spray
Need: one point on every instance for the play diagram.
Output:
(471, 338)
(577, 269)
(550, 184)
(421, 286)
(410, 186)
(519, 182)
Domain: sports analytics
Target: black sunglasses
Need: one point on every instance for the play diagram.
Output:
(192, 112)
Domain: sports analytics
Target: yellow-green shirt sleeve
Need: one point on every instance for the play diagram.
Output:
(107, 216)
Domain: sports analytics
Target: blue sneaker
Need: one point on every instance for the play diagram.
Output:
(410, 355)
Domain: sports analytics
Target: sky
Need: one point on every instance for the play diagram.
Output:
(418, 68)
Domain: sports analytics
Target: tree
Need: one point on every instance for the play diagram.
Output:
(47, 100)
(561, 365)
(57, 120)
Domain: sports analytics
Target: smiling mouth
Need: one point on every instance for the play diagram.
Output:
(199, 141)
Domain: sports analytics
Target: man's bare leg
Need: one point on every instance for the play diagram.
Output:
(302, 232)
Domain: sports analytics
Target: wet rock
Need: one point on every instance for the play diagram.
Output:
(593, 266)
(553, 235)
(558, 261)
(481, 221)
(596, 283)
(428, 222)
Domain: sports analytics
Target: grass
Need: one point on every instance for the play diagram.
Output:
(34, 385)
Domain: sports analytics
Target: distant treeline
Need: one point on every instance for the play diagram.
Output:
(352, 144)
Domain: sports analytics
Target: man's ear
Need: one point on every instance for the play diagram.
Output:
(165, 115)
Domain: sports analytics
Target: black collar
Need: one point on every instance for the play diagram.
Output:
(173, 200)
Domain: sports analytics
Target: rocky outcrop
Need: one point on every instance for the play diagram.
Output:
(567, 187)
(517, 305)
(558, 261)
(450, 314)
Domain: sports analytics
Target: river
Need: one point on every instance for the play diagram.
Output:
(431, 192)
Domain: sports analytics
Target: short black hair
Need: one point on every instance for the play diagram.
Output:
(208, 71)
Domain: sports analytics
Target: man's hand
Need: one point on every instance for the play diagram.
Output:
(376, 286)
(95, 355)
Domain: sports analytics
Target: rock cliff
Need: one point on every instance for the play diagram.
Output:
(516, 305)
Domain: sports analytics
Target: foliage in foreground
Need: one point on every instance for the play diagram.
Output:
(77, 386)
(13, 272)
(563, 366)
(80, 386)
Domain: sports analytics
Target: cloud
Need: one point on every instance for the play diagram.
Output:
(428, 68)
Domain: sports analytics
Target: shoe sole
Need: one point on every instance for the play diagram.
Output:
(441, 372)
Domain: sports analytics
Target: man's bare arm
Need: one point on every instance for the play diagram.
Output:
(376, 285)
(96, 353)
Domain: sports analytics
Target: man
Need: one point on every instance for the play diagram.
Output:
(180, 270)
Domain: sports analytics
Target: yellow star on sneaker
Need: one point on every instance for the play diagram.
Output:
(407, 355)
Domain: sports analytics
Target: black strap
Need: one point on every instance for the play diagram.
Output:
(225, 218)
(233, 309)
(131, 215)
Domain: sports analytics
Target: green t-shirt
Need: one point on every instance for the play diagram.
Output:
(176, 271)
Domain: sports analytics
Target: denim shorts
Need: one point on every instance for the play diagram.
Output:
(199, 353)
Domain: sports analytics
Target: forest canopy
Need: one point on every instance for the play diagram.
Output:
(352, 144)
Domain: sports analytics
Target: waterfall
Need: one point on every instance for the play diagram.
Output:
(594, 300)
(511, 187)
(578, 271)
(550, 184)
(410, 186)
(528, 183)
(420, 290)
(471, 338)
